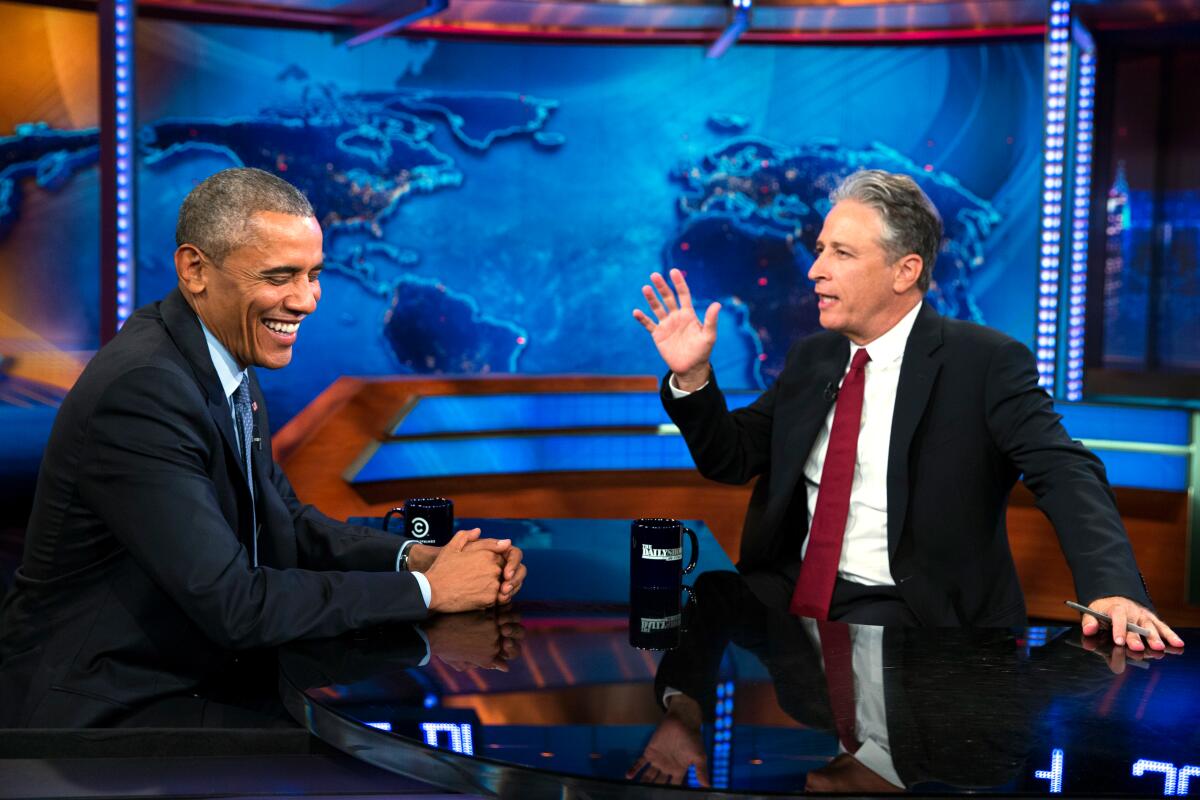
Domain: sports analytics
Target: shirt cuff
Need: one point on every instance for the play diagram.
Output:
(668, 693)
(676, 392)
(423, 582)
(876, 758)
(424, 638)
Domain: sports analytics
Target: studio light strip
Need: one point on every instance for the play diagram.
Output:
(1077, 293)
(123, 96)
(1058, 51)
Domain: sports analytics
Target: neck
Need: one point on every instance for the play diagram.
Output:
(890, 321)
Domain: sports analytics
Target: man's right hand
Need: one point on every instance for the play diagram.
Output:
(684, 342)
(466, 580)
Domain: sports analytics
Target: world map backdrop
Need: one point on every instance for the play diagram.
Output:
(496, 207)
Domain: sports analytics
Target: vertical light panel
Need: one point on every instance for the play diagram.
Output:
(1058, 51)
(722, 736)
(117, 153)
(1085, 94)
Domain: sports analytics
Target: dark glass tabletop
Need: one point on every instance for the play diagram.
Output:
(564, 694)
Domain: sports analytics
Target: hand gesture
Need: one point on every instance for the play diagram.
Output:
(467, 579)
(1122, 609)
(684, 342)
(675, 745)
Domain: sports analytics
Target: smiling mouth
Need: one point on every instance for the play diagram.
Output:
(281, 328)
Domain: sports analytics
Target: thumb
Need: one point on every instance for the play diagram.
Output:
(495, 545)
(702, 774)
(1090, 624)
(462, 539)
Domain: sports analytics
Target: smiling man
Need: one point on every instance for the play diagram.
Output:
(886, 449)
(164, 538)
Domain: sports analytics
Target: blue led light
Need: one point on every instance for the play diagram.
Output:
(1054, 774)
(383, 726)
(459, 736)
(123, 43)
(1170, 774)
(1077, 292)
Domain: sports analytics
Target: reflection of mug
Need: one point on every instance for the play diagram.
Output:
(656, 554)
(429, 520)
(656, 617)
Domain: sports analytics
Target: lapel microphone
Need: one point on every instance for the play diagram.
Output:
(831, 391)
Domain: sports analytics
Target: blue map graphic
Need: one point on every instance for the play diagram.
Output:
(472, 227)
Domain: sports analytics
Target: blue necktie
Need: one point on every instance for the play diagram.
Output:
(244, 413)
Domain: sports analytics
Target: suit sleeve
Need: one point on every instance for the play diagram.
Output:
(145, 475)
(1068, 480)
(325, 543)
(728, 447)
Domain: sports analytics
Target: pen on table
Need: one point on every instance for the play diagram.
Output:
(1129, 626)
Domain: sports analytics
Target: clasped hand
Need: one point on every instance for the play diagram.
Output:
(470, 572)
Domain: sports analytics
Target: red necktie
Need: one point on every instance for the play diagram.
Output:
(814, 588)
(839, 677)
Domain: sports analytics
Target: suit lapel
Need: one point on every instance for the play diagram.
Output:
(184, 329)
(917, 375)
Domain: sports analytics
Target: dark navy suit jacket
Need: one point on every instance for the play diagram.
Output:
(969, 420)
(136, 583)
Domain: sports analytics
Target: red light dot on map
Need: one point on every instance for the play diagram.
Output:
(520, 340)
(762, 281)
(684, 246)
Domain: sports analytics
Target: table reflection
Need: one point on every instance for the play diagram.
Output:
(532, 699)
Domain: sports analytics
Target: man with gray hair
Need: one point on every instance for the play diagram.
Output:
(164, 538)
(886, 449)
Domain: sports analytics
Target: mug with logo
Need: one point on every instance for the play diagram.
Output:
(429, 520)
(656, 616)
(656, 554)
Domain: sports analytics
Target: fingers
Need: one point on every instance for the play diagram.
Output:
(642, 318)
(636, 768)
(668, 296)
(710, 319)
(513, 562)
(1119, 634)
(1164, 631)
(655, 304)
(492, 545)
(702, 773)
(1091, 625)
(462, 539)
(685, 294)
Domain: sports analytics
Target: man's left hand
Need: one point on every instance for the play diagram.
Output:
(1123, 610)
(422, 556)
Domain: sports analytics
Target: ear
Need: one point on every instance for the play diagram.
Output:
(190, 267)
(908, 272)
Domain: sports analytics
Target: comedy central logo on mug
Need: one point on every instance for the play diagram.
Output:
(420, 527)
(662, 553)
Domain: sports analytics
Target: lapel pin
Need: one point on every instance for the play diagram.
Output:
(253, 405)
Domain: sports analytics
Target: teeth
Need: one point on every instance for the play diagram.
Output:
(283, 327)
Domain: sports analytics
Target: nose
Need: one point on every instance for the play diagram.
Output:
(818, 272)
(303, 299)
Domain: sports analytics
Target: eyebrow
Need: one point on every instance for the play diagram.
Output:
(289, 270)
(836, 245)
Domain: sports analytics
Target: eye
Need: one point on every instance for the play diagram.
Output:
(314, 276)
(278, 280)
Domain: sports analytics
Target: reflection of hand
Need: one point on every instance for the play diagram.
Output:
(463, 578)
(674, 746)
(1116, 657)
(845, 773)
(683, 341)
(1122, 609)
(478, 639)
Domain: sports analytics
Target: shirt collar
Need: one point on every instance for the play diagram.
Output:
(889, 348)
(224, 362)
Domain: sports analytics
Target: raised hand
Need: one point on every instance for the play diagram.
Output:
(684, 342)
(467, 579)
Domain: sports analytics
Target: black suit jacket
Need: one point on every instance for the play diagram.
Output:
(969, 420)
(136, 583)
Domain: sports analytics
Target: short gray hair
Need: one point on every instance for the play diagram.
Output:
(215, 216)
(911, 223)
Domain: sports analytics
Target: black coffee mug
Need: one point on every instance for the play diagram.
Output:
(429, 520)
(656, 554)
(656, 617)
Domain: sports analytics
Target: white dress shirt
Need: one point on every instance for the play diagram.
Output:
(864, 556)
(230, 376)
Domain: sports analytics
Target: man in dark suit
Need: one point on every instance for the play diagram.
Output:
(934, 421)
(164, 538)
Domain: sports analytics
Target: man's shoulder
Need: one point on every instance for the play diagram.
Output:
(973, 337)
